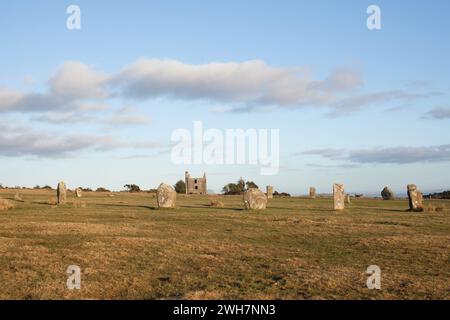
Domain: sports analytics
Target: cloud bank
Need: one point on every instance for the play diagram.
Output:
(18, 141)
(438, 113)
(383, 155)
(242, 86)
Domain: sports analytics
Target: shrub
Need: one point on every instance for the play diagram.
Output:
(281, 194)
(180, 187)
(132, 188)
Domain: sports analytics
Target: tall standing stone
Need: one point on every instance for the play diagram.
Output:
(78, 192)
(312, 192)
(61, 193)
(387, 194)
(269, 192)
(338, 196)
(166, 196)
(415, 198)
(255, 199)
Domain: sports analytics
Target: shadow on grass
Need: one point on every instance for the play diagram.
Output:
(207, 206)
(166, 209)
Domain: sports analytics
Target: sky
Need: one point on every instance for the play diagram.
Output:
(97, 106)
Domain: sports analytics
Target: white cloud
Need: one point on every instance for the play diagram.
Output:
(9, 98)
(127, 116)
(21, 140)
(249, 86)
(251, 82)
(75, 80)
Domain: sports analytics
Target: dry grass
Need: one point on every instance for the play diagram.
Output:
(217, 203)
(296, 249)
(435, 208)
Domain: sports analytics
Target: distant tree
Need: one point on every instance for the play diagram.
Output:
(180, 186)
(86, 189)
(47, 187)
(439, 195)
(37, 187)
(1, 186)
(230, 189)
(238, 188)
(281, 194)
(101, 189)
(132, 188)
(251, 184)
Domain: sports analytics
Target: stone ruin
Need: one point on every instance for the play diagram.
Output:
(415, 198)
(166, 196)
(61, 193)
(254, 199)
(312, 192)
(195, 185)
(387, 194)
(269, 192)
(338, 196)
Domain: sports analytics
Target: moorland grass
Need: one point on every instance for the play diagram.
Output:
(296, 249)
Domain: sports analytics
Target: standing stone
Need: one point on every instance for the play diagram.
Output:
(254, 199)
(349, 200)
(61, 192)
(78, 192)
(415, 198)
(338, 196)
(387, 194)
(312, 192)
(269, 192)
(166, 196)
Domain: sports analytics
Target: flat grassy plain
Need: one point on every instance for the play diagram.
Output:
(296, 249)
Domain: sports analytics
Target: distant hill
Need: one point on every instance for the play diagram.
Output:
(438, 195)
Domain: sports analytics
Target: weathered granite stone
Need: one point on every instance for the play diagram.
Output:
(338, 196)
(349, 199)
(5, 204)
(387, 194)
(166, 196)
(312, 192)
(78, 192)
(61, 193)
(269, 192)
(255, 199)
(415, 198)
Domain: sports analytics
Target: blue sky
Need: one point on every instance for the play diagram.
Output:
(378, 113)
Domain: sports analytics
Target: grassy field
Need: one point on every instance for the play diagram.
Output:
(296, 249)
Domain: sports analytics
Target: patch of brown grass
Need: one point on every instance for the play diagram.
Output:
(217, 203)
(435, 208)
(79, 204)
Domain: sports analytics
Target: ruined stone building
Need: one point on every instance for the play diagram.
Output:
(195, 185)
